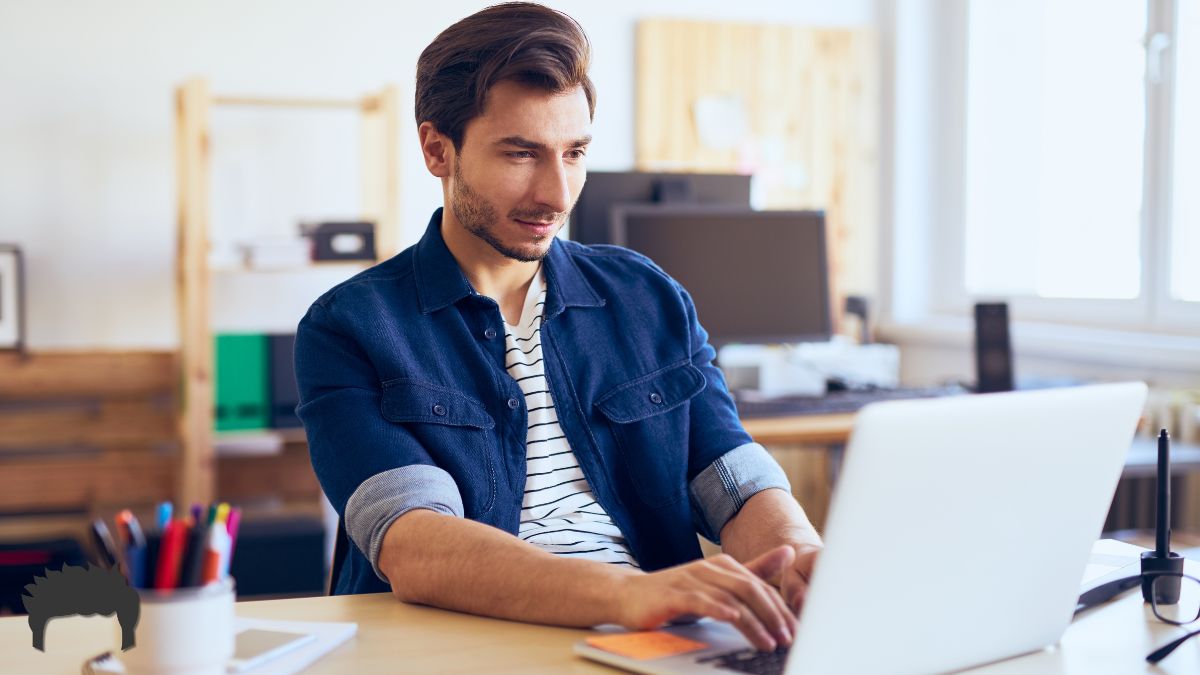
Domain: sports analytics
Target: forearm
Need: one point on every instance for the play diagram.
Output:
(768, 519)
(459, 564)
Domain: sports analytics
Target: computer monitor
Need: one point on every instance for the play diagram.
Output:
(603, 189)
(757, 277)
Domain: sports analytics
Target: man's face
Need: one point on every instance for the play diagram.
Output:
(521, 168)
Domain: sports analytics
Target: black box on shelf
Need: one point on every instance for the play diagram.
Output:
(341, 240)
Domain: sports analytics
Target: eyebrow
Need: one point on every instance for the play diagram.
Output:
(522, 142)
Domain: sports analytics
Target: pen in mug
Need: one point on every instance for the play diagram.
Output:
(216, 555)
(192, 566)
(170, 555)
(106, 548)
(134, 541)
(164, 515)
(235, 519)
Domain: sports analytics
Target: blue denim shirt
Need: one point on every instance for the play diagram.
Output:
(406, 402)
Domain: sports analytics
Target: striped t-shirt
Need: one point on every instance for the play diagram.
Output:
(558, 512)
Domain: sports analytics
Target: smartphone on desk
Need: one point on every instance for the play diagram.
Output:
(254, 647)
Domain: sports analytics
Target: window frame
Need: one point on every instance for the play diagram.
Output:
(1154, 311)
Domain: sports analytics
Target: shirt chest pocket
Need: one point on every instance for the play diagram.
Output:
(649, 417)
(454, 429)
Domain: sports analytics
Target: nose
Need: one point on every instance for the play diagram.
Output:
(552, 187)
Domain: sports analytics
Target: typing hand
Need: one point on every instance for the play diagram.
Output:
(718, 587)
(793, 584)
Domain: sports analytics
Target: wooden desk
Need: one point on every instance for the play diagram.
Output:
(801, 429)
(398, 638)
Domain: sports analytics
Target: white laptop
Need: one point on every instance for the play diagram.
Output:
(959, 532)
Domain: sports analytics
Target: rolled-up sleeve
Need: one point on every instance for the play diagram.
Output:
(386, 496)
(720, 491)
(372, 470)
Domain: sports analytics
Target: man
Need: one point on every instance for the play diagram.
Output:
(519, 426)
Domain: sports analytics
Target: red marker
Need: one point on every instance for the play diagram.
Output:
(170, 555)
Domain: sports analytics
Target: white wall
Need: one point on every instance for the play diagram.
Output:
(86, 159)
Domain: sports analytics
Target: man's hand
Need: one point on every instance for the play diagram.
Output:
(793, 583)
(718, 587)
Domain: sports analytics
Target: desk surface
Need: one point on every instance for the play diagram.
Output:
(800, 429)
(394, 637)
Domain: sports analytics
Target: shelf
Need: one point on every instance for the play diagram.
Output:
(248, 297)
(331, 266)
(254, 443)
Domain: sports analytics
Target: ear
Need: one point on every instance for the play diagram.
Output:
(437, 150)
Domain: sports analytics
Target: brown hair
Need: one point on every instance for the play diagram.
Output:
(520, 41)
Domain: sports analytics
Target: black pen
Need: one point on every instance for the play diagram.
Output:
(105, 547)
(1162, 531)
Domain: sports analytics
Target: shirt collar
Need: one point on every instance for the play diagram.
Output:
(441, 282)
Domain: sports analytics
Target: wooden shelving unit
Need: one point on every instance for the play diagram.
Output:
(194, 101)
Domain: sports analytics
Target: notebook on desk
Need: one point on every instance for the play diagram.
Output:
(958, 535)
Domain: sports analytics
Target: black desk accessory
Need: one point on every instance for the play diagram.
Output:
(341, 240)
(1162, 558)
(993, 348)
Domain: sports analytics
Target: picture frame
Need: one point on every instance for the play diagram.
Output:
(12, 298)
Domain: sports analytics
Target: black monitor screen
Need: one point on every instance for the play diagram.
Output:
(755, 276)
(604, 189)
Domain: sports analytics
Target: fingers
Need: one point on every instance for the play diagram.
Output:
(793, 589)
(794, 583)
(751, 625)
(717, 587)
(767, 588)
(716, 605)
(771, 564)
(766, 616)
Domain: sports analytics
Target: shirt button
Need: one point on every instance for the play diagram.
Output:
(489, 333)
(513, 404)
(439, 409)
(655, 398)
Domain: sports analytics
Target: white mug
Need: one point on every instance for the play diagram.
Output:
(182, 631)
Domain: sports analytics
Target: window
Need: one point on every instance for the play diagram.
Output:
(1185, 207)
(1081, 163)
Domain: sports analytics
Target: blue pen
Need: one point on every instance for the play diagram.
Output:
(164, 515)
(135, 548)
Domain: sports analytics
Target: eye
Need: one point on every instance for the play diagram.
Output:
(520, 154)
(577, 153)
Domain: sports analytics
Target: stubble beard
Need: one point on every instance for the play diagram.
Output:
(480, 218)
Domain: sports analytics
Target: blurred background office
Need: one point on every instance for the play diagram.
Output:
(965, 194)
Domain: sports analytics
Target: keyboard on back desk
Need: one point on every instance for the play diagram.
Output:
(847, 401)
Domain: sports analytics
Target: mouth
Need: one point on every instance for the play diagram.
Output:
(542, 228)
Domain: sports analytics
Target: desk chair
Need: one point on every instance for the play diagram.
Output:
(341, 549)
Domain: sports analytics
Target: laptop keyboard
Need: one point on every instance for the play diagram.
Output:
(750, 661)
(836, 401)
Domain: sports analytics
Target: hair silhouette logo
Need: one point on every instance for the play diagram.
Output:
(85, 591)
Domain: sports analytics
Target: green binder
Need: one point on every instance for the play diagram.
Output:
(243, 401)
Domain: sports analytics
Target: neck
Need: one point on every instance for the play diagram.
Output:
(492, 274)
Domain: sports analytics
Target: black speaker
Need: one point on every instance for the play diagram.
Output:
(993, 349)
